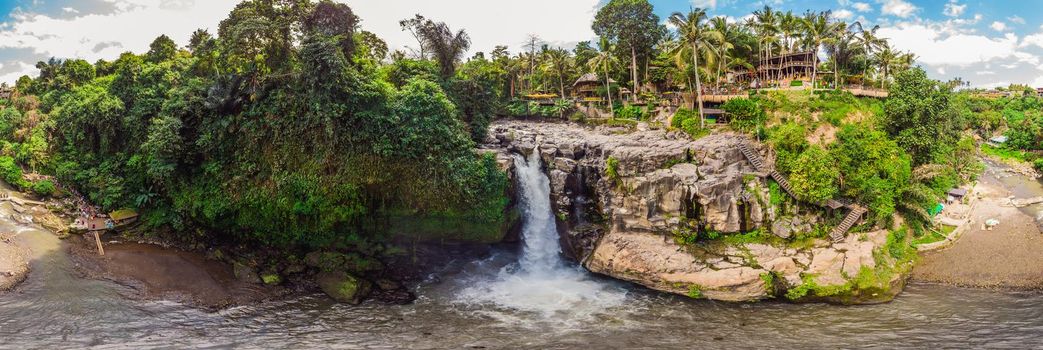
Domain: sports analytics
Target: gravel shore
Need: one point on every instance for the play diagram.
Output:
(1008, 256)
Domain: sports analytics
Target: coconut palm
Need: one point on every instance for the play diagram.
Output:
(605, 60)
(817, 28)
(870, 42)
(841, 46)
(729, 39)
(699, 37)
(765, 23)
(558, 63)
(446, 46)
(888, 59)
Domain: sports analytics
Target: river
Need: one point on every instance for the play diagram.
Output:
(512, 300)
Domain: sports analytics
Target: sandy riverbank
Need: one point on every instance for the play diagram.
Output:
(1008, 256)
(14, 264)
(155, 272)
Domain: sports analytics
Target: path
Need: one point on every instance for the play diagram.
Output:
(1010, 255)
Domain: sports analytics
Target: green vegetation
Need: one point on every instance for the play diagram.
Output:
(289, 128)
(933, 235)
(688, 121)
(695, 291)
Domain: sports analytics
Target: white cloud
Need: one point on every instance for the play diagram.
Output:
(132, 26)
(1033, 39)
(985, 72)
(953, 9)
(711, 4)
(489, 23)
(1016, 19)
(843, 14)
(861, 7)
(23, 69)
(69, 10)
(898, 8)
(998, 26)
(934, 46)
(941, 70)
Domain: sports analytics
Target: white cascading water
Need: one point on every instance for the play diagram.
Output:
(541, 281)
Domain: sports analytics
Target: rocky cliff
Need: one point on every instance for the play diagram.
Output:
(690, 217)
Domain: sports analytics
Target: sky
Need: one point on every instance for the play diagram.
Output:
(987, 43)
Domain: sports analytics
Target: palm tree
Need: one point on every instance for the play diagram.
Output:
(816, 29)
(765, 22)
(695, 34)
(869, 42)
(729, 37)
(605, 60)
(888, 59)
(840, 48)
(447, 47)
(559, 63)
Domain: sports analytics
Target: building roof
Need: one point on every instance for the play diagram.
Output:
(958, 192)
(590, 78)
(123, 214)
(999, 139)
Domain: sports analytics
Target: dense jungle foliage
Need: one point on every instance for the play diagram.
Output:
(289, 127)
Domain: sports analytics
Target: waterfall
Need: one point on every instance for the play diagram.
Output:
(541, 281)
(542, 251)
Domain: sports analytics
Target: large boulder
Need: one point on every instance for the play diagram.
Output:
(343, 287)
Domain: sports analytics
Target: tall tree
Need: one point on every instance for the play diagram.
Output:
(765, 23)
(413, 26)
(605, 61)
(446, 46)
(869, 42)
(699, 37)
(559, 63)
(630, 23)
(817, 27)
(161, 49)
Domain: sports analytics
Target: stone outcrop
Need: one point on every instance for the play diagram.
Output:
(624, 197)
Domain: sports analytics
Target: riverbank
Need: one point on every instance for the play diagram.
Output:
(1009, 255)
(154, 272)
(14, 264)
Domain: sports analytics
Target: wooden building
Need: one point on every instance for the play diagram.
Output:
(587, 86)
(781, 68)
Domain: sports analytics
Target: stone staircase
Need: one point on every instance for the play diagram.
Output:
(853, 217)
(838, 233)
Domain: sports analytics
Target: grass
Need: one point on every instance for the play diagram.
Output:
(1006, 154)
(695, 291)
(932, 236)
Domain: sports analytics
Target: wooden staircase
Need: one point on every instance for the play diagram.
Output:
(853, 217)
(838, 233)
(759, 165)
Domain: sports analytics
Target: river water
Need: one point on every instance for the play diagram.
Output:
(512, 300)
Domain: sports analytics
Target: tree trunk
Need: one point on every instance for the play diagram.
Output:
(633, 73)
(608, 92)
(698, 86)
(561, 85)
(717, 80)
(814, 68)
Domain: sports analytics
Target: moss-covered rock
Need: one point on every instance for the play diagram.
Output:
(271, 278)
(245, 273)
(343, 287)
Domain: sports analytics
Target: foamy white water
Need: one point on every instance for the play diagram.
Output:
(541, 281)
